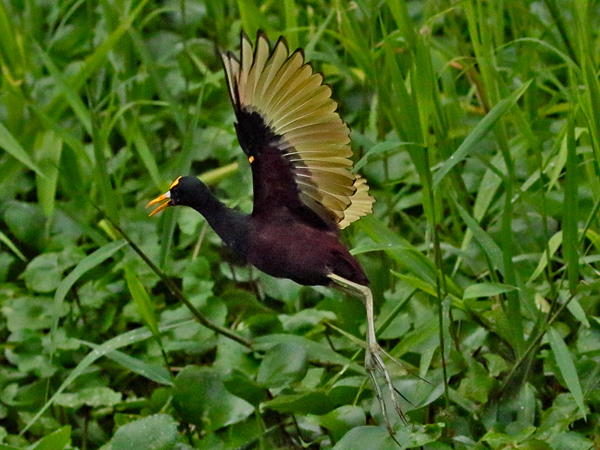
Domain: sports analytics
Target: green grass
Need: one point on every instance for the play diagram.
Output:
(477, 126)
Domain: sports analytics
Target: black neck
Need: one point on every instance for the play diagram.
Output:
(232, 226)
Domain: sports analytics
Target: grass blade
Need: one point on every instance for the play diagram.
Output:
(479, 132)
(144, 152)
(13, 148)
(570, 231)
(155, 373)
(553, 245)
(252, 18)
(142, 300)
(4, 238)
(486, 290)
(49, 151)
(566, 366)
(86, 264)
(492, 250)
(291, 23)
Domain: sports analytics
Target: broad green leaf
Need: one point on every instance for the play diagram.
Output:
(361, 438)
(92, 396)
(378, 438)
(31, 313)
(496, 364)
(578, 312)
(201, 398)
(571, 440)
(57, 440)
(9, 447)
(477, 383)
(526, 415)
(26, 222)
(503, 440)
(305, 319)
(157, 432)
(342, 419)
(283, 364)
(240, 385)
(312, 402)
(43, 273)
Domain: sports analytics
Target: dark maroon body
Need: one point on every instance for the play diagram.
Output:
(285, 248)
(278, 241)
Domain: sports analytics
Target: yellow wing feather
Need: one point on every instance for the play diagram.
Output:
(297, 107)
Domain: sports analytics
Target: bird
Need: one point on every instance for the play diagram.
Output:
(304, 189)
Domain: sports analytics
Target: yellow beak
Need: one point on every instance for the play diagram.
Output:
(165, 196)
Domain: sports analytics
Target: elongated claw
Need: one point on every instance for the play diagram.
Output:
(376, 369)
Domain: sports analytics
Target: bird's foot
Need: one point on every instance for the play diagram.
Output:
(376, 369)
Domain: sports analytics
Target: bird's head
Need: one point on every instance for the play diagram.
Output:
(185, 191)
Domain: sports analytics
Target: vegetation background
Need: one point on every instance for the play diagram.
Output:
(477, 124)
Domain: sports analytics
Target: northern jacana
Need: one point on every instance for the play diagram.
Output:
(304, 191)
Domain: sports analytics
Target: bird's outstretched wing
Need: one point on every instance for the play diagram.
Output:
(295, 141)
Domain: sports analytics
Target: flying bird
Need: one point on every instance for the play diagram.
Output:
(304, 189)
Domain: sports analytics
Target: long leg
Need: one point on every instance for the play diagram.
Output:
(374, 364)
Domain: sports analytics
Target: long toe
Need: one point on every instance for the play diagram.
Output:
(377, 370)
